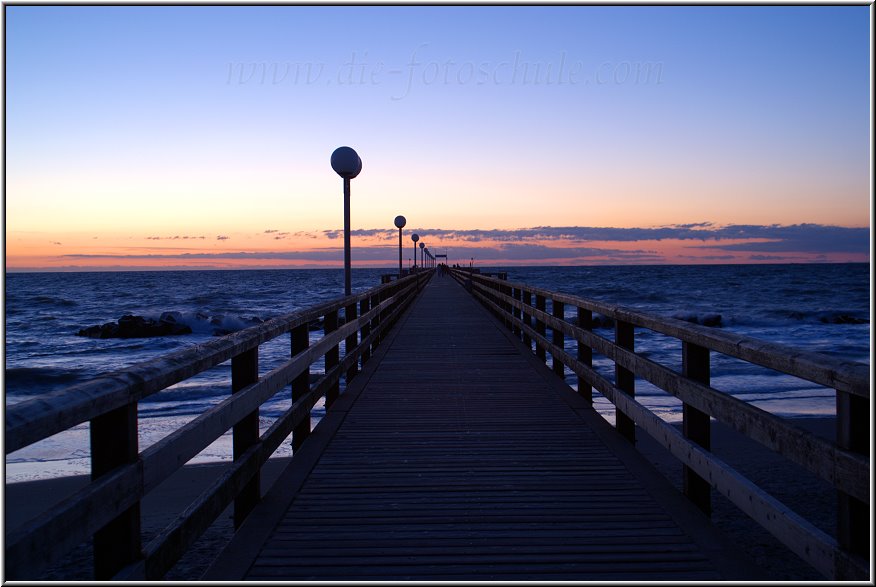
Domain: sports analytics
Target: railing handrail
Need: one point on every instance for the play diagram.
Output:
(845, 464)
(120, 480)
(849, 376)
(42, 416)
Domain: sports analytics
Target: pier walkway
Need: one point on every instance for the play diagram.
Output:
(457, 455)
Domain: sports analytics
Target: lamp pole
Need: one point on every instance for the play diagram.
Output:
(422, 255)
(400, 222)
(347, 164)
(415, 237)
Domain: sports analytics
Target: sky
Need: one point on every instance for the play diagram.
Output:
(200, 137)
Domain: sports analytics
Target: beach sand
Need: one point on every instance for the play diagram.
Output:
(810, 497)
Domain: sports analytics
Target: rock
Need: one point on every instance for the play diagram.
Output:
(171, 317)
(712, 320)
(130, 326)
(842, 319)
(600, 321)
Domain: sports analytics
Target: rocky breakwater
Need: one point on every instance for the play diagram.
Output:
(129, 326)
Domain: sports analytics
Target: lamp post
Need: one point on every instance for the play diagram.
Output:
(415, 237)
(422, 255)
(347, 164)
(400, 222)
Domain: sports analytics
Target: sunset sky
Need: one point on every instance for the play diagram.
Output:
(161, 136)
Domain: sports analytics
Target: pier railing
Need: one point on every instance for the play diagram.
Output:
(108, 508)
(529, 312)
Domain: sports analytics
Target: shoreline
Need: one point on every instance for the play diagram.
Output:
(807, 495)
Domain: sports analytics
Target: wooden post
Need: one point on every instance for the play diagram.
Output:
(364, 308)
(696, 426)
(540, 328)
(244, 372)
(852, 433)
(625, 380)
(113, 439)
(558, 338)
(585, 353)
(332, 357)
(527, 318)
(375, 322)
(301, 384)
(516, 312)
(351, 341)
(506, 306)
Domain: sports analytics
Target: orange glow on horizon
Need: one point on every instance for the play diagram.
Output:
(275, 249)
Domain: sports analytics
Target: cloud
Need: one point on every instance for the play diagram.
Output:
(56, 243)
(173, 238)
(222, 238)
(811, 236)
(770, 258)
(567, 245)
(801, 238)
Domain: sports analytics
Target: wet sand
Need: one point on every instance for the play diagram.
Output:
(802, 492)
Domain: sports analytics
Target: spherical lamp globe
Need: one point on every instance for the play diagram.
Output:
(346, 162)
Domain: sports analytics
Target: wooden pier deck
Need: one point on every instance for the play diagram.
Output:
(457, 455)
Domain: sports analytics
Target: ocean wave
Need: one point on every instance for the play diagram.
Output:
(54, 301)
(706, 319)
(781, 316)
(27, 381)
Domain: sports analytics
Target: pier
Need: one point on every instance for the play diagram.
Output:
(456, 451)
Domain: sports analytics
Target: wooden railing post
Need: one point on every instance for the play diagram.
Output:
(351, 341)
(244, 372)
(506, 307)
(585, 353)
(540, 328)
(557, 336)
(516, 312)
(527, 318)
(375, 322)
(852, 433)
(301, 384)
(625, 380)
(332, 357)
(364, 308)
(696, 426)
(114, 443)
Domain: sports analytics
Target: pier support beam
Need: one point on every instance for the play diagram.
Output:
(114, 443)
(696, 426)
(364, 308)
(585, 354)
(625, 380)
(301, 384)
(245, 372)
(558, 338)
(852, 433)
(332, 358)
(351, 341)
(527, 318)
(540, 328)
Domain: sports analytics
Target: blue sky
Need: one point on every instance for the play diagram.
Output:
(139, 119)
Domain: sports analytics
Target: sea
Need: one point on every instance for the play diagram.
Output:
(823, 308)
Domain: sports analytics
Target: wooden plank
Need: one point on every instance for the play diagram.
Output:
(466, 464)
